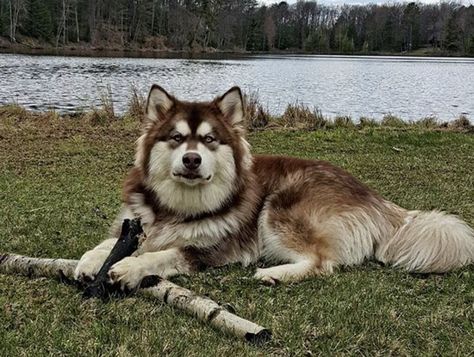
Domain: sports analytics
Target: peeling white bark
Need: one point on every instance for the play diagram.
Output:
(202, 308)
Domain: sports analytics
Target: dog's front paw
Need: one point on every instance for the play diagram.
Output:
(128, 273)
(90, 264)
(267, 276)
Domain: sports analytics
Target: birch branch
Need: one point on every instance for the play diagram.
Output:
(204, 309)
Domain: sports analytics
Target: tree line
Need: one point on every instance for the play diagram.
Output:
(238, 25)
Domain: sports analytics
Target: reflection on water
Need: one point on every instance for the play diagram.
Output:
(345, 85)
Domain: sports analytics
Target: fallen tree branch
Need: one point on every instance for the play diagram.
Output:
(202, 308)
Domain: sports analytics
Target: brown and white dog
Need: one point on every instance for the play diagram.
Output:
(204, 200)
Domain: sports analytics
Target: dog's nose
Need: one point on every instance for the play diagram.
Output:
(191, 160)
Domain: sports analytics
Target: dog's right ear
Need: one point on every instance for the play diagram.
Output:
(232, 106)
(159, 102)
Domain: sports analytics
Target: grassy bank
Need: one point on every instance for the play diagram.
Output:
(301, 116)
(296, 116)
(59, 191)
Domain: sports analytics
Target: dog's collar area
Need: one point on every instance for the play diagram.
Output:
(232, 202)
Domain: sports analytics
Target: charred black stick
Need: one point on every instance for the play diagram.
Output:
(125, 246)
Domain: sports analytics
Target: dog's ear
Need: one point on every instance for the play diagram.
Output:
(232, 106)
(159, 102)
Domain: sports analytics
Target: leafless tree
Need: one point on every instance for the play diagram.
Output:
(16, 8)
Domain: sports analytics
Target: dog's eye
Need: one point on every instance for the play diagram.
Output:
(209, 139)
(177, 137)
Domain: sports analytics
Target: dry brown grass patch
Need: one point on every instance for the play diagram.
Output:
(343, 122)
(300, 116)
(256, 115)
(429, 122)
(136, 104)
(393, 121)
(365, 122)
(461, 124)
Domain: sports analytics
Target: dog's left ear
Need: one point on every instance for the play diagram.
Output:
(232, 106)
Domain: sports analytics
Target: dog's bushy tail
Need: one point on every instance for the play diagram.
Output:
(429, 242)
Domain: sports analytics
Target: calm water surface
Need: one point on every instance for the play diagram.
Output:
(357, 86)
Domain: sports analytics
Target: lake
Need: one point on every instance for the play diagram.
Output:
(408, 87)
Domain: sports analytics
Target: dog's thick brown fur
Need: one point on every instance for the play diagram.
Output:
(204, 200)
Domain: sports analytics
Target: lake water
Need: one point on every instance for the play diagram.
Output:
(411, 88)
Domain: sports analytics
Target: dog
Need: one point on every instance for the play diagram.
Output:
(205, 201)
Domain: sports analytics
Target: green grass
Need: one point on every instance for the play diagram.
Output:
(59, 179)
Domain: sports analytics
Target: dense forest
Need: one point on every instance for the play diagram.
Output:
(237, 25)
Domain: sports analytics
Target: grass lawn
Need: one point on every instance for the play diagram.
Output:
(59, 191)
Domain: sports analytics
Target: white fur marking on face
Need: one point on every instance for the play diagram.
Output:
(204, 129)
(208, 164)
(204, 196)
(160, 160)
(183, 128)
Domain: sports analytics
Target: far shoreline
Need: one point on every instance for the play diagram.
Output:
(81, 51)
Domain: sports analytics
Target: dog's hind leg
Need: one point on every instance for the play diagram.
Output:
(288, 236)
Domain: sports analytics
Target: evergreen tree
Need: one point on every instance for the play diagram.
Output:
(470, 50)
(317, 41)
(2, 22)
(256, 39)
(389, 41)
(39, 23)
(411, 26)
(452, 40)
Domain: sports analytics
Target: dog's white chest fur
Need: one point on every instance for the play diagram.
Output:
(203, 233)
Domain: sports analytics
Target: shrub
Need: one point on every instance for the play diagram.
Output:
(393, 121)
(256, 116)
(343, 121)
(365, 122)
(136, 104)
(299, 115)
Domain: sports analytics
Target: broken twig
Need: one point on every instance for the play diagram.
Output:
(125, 246)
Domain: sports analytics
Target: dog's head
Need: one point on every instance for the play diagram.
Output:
(192, 152)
